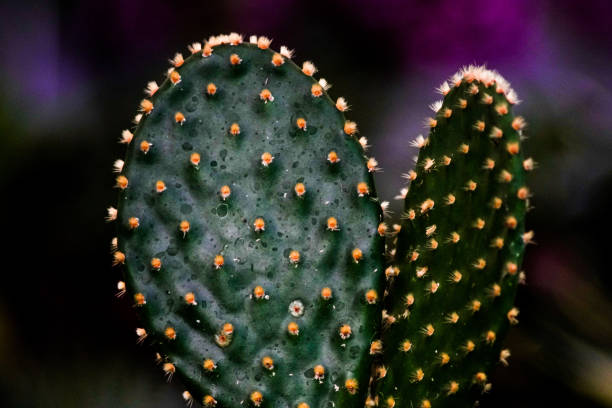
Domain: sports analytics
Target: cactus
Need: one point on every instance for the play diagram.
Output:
(247, 231)
(456, 263)
(250, 237)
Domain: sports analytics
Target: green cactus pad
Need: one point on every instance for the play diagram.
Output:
(181, 290)
(459, 250)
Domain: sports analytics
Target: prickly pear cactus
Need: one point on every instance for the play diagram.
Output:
(247, 231)
(459, 250)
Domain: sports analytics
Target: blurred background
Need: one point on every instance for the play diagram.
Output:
(72, 74)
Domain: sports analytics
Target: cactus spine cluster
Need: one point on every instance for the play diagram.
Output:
(251, 240)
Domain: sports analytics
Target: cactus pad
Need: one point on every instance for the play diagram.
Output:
(459, 250)
(247, 231)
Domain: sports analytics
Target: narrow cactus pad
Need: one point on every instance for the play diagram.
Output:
(459, 250)
(248, 231)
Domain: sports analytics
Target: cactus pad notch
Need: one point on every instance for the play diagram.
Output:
(247, 231)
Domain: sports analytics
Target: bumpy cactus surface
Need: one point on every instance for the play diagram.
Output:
(458, 254)
(247, 231)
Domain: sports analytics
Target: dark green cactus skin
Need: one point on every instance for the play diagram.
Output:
(252, 258)
(436, 182)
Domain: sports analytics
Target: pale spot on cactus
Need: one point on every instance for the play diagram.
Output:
(296, 308)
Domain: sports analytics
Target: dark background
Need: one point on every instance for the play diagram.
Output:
(71, 76)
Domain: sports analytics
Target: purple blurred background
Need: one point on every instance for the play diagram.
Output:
(72, 75)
